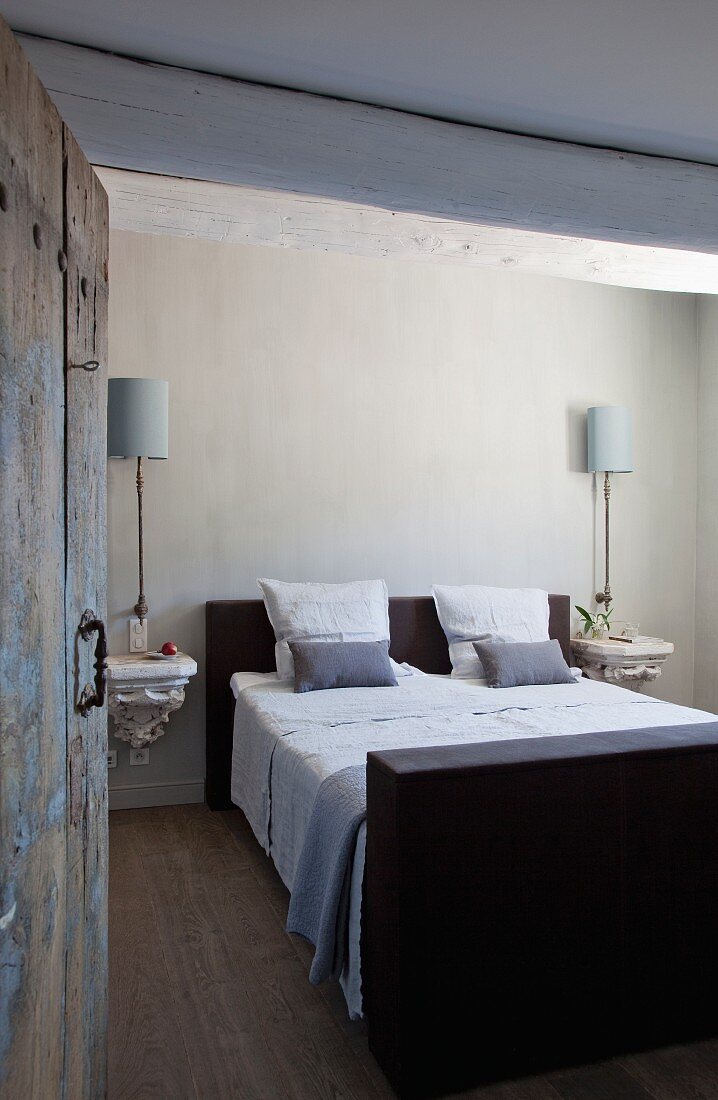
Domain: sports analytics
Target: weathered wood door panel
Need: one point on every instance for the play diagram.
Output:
(32, 616)
(52, 554)
(86, 240)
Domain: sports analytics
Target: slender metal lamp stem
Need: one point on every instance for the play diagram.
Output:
(605, 597)
(141, 607)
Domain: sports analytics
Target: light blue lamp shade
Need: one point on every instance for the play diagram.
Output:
(137, 417)
(610, 439)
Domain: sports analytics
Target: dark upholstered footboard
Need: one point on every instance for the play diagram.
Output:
(534, 903)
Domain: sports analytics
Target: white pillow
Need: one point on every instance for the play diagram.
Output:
(357, 611)
(472, 612)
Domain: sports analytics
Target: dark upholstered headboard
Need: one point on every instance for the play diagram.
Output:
(240, 639)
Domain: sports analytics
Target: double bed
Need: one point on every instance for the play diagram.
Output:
(535, 881)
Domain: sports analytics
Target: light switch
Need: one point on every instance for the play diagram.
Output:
(138, 636)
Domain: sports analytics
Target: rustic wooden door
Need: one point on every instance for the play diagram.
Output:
(53, 803)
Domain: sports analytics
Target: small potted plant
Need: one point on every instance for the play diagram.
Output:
(595, 626)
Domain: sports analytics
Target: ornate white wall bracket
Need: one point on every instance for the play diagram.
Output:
(641, 672)
(142, 693)
(626, 664)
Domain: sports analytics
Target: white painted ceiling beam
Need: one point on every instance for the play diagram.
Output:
(241, 215)
(159, 119)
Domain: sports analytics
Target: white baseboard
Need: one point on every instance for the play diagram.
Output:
(155, 794)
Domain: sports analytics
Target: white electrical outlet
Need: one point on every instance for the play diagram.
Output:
(139, 756)
(138, 636)
(112, 758)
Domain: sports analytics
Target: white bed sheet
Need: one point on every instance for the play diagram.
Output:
(285, 745)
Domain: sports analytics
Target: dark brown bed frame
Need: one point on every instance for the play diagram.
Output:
(528, 903)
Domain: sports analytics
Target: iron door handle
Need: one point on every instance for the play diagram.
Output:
(94, 697)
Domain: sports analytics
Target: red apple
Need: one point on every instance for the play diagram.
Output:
(169, 649)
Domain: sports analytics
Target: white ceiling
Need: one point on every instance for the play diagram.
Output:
(632, 74)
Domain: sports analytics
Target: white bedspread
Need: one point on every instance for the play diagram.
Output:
(286, 744)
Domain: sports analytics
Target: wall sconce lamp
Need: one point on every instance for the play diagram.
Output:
(137, 427)
(610, 451)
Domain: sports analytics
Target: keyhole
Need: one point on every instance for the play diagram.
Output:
(37, 235)
(3, 197)
(83, 286)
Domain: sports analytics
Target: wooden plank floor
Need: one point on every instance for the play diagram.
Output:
(209, 998)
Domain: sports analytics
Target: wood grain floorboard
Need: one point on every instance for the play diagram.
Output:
(278, 896)
(597, 1082)
(229, 953)
(147, 1057)
(192, 830)
(226, 1049)
(530, 1088)
(210, 998)
(677, 1073)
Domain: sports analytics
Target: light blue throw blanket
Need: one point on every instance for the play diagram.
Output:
(319, 906)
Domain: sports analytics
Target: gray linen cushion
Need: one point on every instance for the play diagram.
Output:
(523, 664)
(321, 665)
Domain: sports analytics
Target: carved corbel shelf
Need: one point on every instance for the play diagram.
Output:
(142, 693)
(627, 664)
